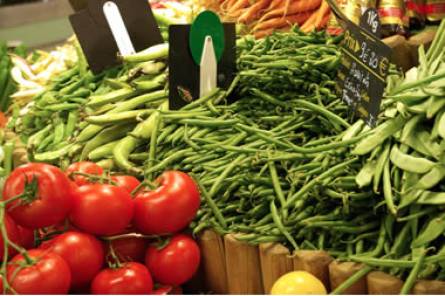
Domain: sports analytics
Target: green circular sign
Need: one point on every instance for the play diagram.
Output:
(207, 23)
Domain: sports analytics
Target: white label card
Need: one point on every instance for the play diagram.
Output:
(118, 28)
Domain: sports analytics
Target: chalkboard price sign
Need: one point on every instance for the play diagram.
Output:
(363, 71)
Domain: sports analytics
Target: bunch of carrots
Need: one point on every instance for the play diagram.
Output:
(262, 17)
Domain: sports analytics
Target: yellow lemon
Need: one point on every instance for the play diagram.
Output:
(298, 283)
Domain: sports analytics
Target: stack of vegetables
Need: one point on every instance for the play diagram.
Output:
(81, 111)
(265, 16)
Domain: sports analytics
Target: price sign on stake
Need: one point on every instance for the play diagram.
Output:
(364, 65)
(105, 28)
(206, 63)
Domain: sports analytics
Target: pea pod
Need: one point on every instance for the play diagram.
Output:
(434, 229)
(410, 163)
(112, 97)
(107, 135)
(380, 134)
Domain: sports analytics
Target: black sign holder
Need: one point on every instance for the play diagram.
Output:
(184, 72)
(94, 33)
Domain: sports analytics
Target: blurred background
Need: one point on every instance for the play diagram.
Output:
(36, 23)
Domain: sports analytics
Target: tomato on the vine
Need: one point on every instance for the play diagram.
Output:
(45, 197)
(83, 253)
(85, 167)
(128, 183)
(48, 273)
(26, 237)
(129, 249)
(102, 209)
(176, 263)
(130, 278)
(169, 208)
(13, 234)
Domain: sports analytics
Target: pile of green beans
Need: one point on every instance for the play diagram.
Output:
(404, 164)
(274, 165)
(282, 164)
(82, 116)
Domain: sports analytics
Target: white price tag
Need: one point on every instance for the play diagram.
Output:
(118, 28)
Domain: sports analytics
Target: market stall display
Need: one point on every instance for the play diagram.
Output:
(269, 182)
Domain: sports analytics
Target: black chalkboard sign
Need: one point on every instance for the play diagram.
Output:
(364, 67)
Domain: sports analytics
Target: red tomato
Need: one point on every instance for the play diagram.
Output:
(176, 263)
(48, 274)
(169, 208)
(86, 167)
(83, 253)
(128, 183)
(51, 202)
(13, 234)
(1, 285)
(26, 237)
(168, 290)
(130, 279)
(129, 249)
(102, 209)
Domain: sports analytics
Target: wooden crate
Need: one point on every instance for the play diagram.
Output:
(230, 266)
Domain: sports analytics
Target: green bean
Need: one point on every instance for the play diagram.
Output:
(71, 124)
(53, 155)
(387, 190)
(280, 226)
(216, 186)
(102, 151)
(112, 97)
(152, 53)
(352, 280)
(330, 172)
(212, 204)
(380, 134)
(121, 117)
(62, 107)
(154, 139)
(412, 277)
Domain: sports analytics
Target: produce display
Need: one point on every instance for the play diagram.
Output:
(106, 190)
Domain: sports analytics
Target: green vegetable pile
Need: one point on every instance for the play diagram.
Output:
(81, 112)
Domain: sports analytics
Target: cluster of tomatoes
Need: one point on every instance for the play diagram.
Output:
(77, 231)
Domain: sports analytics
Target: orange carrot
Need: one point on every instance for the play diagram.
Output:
(275, 4)
(239, 4)
(263, 33)
(321, 12)
(309, 23)
(298, 18)
(315, 21)
(324, 21)
(295, 7)
(252, 12)
(227, 4)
